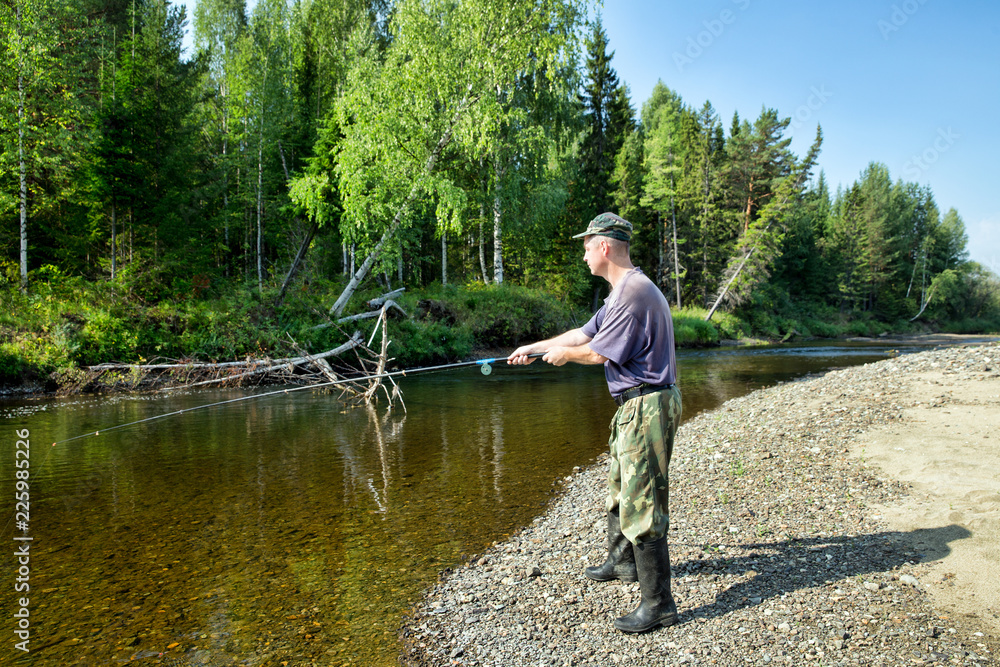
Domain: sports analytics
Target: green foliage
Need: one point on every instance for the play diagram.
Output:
(691, 329)
(106, 337)
(501, 316)
(425, 343)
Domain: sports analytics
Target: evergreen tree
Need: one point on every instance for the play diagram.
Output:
(147, 163)
(774, 181)
(757, 158)
(706, 156)
(661, 120)
(801, 271)
(609, 117)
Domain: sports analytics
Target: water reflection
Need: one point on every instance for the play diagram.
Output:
(294, 529)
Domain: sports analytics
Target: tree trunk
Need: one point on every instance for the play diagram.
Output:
(924, 307)
(114, 237)
(482, 248)
(295, 263)
(661, 263)
(260, 210)
(729, 284)
(260, 183)
(225, 177)
(497, 241)
(22, 162)
(444, 258)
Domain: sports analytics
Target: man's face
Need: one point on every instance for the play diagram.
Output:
(592, 254)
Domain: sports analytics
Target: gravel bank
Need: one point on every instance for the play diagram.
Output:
(779, 557)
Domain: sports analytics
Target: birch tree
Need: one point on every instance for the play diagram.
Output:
(41, 128)
(437, 86)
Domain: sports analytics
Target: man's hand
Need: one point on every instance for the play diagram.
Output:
(569, 346)
(557, 355)
(519, 357)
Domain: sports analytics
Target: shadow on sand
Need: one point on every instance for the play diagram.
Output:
(784, 567)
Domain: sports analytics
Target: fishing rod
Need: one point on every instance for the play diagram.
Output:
(485, 367)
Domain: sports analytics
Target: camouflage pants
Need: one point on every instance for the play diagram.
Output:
(642, 441)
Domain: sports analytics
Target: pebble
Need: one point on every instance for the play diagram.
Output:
(778, 557)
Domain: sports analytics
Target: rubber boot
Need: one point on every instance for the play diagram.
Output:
(657, 606)
(620, 563)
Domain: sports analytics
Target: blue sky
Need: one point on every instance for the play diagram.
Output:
(914, 84)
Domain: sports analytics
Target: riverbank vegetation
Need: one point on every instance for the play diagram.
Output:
(311, 155)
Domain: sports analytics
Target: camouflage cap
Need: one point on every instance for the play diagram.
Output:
(608, 224)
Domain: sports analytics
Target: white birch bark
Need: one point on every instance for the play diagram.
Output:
(444, 258)
(22, 160)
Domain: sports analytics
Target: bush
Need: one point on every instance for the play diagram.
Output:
(821, 328)
(427, 343)
(691, 329)
(974, 326)
(106, 337)
(501, 316)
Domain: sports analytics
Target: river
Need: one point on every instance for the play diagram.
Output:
(294, 530)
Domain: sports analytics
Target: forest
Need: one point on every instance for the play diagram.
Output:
(310, 154)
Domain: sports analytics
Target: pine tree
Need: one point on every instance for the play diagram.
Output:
(147, 154)
(664, 157)
(609, 117)
(707, 152)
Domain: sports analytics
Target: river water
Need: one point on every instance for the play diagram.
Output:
(294, 529)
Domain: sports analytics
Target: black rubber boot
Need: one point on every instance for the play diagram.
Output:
(620, 563)
(657, 606)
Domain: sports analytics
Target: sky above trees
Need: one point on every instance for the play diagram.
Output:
(909, 83)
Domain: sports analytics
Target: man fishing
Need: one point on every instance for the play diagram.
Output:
(632, 335)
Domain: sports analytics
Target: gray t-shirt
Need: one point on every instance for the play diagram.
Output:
(633, 329)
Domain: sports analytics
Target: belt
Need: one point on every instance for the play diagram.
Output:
(641, 390)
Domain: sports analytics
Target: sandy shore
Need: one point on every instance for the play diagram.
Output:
(947, 448)
(850, 519)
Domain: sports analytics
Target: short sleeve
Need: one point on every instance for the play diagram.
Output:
(620, 336)
(591, 328)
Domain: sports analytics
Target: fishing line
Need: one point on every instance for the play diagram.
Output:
(484, 364)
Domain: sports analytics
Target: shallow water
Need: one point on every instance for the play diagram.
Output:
(291, 528)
